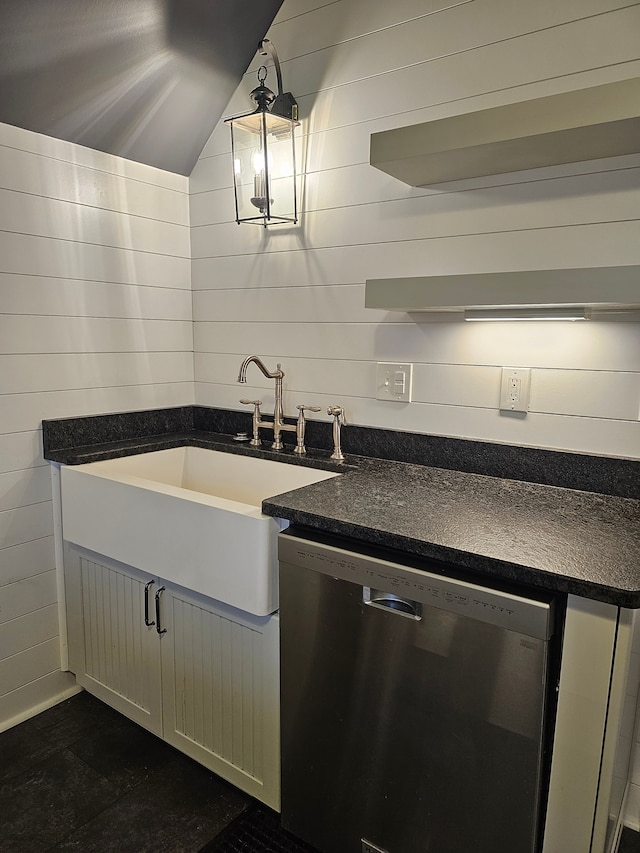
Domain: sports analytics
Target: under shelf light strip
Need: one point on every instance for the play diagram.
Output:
(530, 314)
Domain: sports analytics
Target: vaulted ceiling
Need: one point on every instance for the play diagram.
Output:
(143, 79)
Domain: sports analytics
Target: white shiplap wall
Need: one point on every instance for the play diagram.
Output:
(297, 294)
(95, 316)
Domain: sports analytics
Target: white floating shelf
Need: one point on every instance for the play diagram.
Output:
(587, 124)
(615, 290)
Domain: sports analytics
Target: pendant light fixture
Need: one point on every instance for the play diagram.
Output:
(263, 152)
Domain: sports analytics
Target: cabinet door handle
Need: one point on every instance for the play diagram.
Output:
(146, 604)
(157, 596)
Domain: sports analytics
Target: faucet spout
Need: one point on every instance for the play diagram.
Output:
(278, 373)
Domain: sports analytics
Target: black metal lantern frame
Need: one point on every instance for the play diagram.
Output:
(264, 154)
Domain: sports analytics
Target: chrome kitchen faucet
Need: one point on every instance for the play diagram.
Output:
(278, 424)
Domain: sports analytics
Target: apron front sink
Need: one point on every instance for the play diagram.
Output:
(188, 515)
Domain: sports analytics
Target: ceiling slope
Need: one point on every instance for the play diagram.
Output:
(143, 79)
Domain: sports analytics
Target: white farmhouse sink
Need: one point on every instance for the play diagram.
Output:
(187, 515)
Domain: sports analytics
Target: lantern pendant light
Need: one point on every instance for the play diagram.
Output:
(263, 152)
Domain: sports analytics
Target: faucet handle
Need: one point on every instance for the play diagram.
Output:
(256, 420)
(300, 427)
(338, 413)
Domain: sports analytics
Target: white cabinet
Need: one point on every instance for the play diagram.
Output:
(221, 690)
(113, 654)
(200, 674)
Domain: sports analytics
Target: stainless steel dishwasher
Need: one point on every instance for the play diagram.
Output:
(414, 705)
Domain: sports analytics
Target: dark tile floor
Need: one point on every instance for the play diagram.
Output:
(81, 777)
(630, 841)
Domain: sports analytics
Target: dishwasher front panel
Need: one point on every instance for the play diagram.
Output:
(408, 726)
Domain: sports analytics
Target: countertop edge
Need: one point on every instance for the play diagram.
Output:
(479, 564)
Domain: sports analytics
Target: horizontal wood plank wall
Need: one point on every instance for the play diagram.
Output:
(95, 316)
(296, 295)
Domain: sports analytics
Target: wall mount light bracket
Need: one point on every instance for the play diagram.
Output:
(284, 104)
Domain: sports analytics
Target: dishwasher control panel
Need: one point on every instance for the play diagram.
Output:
(504, 609)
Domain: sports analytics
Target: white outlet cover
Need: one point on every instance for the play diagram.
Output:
(515, 386)
(393, 382)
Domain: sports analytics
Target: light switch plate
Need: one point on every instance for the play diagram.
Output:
(514, 389)
(393, 382)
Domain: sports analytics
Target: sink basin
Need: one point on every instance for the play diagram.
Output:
(187, 515)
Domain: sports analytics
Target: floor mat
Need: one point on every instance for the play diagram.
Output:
(257, 830)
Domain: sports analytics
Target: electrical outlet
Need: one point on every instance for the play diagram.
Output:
(514, 389)
(393, 382)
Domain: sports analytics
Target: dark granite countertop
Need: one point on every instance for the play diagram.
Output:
(547, 536)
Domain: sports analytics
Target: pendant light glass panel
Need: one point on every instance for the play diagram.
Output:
(264, 168)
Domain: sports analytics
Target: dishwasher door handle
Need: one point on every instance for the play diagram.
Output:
(392, 603)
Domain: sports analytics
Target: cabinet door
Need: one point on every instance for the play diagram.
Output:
(220, 672)
(113, 653)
